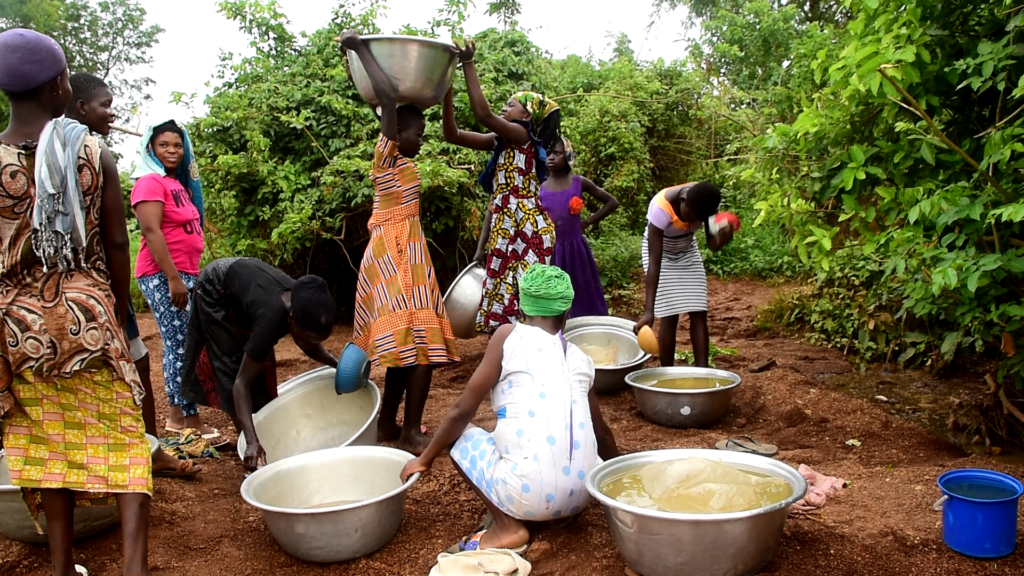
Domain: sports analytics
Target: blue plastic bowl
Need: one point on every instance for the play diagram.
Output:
(353, 370)
(979, 514)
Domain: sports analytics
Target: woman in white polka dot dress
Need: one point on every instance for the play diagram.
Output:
(550, 433)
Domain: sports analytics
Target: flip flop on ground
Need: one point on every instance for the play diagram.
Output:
(185, 469)
(747, 445)
(80, 570)
(472, 542)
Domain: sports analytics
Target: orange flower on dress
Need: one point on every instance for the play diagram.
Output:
(575, 205)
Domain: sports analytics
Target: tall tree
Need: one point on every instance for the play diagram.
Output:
(109, 39)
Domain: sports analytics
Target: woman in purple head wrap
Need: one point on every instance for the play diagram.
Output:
(69, 394)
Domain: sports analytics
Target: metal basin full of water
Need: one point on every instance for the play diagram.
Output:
(309, 415)
(682, 408)
(16, 523)
(420, 68)
(628, 355)
(656, 543)
(332, 505)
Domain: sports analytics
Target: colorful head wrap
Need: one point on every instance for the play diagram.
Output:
(28, 60)
(545, 291)
(537, 105)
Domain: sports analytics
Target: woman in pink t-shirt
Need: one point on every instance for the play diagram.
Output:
(168, 263)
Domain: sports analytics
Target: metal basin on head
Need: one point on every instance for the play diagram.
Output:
(309, 415)
(657, 543)
(420, 68)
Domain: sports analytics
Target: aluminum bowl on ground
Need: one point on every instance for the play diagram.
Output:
(332, 505)
(420, 68)
(656, 543)
(309, 415)
(462, 301)
(16, 523)
(628, 355)
(682, 408)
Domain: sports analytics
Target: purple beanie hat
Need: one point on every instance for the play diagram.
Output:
(28, 60)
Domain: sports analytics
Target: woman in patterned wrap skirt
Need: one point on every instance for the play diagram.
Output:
(69, 393)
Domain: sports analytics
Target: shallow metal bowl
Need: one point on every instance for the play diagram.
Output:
(309, 415)
(295, 496)
(420, 68)
(656, 543)
(462, 301)
(16, 523)
(628, 357)
(682, 408)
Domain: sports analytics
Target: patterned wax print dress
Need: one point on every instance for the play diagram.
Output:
(399, 316)
(71, 395)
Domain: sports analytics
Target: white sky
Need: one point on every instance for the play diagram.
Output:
(195, 34)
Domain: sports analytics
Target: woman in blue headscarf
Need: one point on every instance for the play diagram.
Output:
(168, 200)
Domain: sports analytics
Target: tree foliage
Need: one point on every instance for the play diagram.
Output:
(110, 39)
(287, 144)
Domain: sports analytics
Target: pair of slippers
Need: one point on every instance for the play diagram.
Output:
(185, 469)
(215, 439)
(747, 445)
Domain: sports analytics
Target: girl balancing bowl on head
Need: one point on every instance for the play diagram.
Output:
(516, 231)
(562, 197)
(675, 279)
(400, 318)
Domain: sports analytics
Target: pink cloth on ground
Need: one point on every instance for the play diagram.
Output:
(819, 488)
(181, 229)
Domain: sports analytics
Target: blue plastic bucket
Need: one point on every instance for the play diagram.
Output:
(979, 512)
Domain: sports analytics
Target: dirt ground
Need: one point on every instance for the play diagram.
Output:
(882, 524)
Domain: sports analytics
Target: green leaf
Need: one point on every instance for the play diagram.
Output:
(914, 213)
(972, 281)
(926, 153)
(1015, 21)
(915, 337)
(857, 155)
(848, 176)
(986, 68)
(949, 344)
(906, 355)
(951, 277)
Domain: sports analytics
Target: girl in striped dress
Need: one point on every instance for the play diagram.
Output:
(399, 314)
(675, 279)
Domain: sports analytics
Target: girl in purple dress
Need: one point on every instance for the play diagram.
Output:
(562, 196)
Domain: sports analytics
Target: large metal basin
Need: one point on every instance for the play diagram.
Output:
(656, 543)
(682, 408)
(462, 301)
(420, 68)
(286, 491)
(309, 415)
(628, 358)
(16, 523)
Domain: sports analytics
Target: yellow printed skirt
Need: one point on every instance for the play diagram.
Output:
(399, 314)
(82, 433)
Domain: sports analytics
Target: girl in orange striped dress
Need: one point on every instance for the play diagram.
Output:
(399, 315)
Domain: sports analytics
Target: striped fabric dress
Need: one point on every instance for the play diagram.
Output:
(683, 285)
(399, 314)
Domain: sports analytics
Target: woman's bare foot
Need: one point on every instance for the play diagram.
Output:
(413, 441)
(511, 536)
(388, 431)
(166, 465)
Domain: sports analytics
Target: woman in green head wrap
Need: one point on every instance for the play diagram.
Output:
(550, 433)
(523, 233)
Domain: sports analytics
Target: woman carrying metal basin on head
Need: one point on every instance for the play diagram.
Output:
(400, 319)
(241, 308)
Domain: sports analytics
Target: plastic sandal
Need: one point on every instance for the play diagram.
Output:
(747, 445)
(472, 542)
(81, 570)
